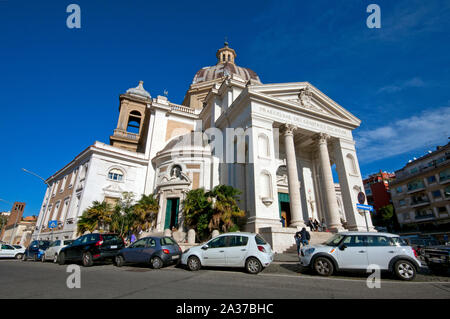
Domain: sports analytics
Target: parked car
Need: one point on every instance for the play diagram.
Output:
(418, 243)
(157, 251)
(437, 258)
(246, 250)
(91, 248)
(357, 250)
(35, 250)
(52, 252)
(10, 251)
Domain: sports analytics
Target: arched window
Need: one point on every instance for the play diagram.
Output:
(176, 171)
(134, 122)
(115, 175)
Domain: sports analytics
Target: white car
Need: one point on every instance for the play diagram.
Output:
(243, 250)
(52, 252)
(358, 250)
(9, 251)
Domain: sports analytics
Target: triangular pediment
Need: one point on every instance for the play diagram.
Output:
(303, 96)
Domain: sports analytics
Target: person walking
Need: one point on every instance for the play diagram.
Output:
(298, 238)
(304, 237)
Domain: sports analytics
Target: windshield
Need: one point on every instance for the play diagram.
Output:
(334, 241)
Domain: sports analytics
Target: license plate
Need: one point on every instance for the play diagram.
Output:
(113, 247)
(175, 257)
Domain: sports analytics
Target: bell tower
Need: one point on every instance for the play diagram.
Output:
(131, 130)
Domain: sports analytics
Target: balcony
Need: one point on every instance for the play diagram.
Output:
(420, 202)
(403, 175)
(425, 217)
(125, 134)
(444, 179)
(415, 189)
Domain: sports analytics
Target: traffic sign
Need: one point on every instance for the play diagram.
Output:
(361, 197)
(52, 224)
(364, 207)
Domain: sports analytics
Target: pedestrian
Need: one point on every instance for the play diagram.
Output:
(304, 237)
(133, 238)
(298, 238)
(311, 224)
(316, 224)
(323, 225)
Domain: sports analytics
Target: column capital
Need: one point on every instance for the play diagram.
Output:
(321, 138)
(287, 129)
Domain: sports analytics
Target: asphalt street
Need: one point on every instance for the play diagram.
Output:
(47, 280)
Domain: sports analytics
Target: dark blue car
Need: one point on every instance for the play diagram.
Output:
(156, 251)
(35, 250)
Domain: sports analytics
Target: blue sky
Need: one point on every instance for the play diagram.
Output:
(59, 87)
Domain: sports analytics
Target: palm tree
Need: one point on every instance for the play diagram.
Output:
(122, 217)
(95, 217)
(197, 209)
(226, 212)
(145, 212)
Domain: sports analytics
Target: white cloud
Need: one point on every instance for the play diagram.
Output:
(428, 129)
(411, 83)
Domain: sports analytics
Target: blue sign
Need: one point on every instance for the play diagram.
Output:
(52, 224)
(364, 207)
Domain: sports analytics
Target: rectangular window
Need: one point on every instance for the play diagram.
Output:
(444, 175)
(431, 179)
(402, 202)
(377, 241)
(417, 184)
(399, 190)
(447, 192)
(436, 194)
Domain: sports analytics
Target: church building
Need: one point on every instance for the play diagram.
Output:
(277, 143)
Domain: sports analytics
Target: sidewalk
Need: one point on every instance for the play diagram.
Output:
(285, 258)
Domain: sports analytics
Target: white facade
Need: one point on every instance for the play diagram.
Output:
(273, 142)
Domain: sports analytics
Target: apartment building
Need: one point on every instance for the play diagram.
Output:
(421, 191)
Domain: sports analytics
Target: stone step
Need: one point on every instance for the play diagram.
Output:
(316, 238)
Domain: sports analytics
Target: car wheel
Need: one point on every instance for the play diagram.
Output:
(61, 259)
(253, 266)
(19, 256)
(87, 259)
(323, 266)
(404, 270)
(193, 263)
(118, 261)
(24, 257)
(156, 262)
(55, 258)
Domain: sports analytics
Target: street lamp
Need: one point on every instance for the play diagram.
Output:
(48, 197)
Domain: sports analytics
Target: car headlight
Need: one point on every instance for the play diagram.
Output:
(309, 251)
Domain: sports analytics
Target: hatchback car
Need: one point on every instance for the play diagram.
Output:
(35, 250)
(246, 250)
(91, 248)
(157, 251)
(10, 251)
(358, 250)
(52, 252)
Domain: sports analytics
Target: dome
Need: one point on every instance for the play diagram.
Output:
(225, 66)
(139, 91)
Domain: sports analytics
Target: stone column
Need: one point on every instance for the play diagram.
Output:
(332, 211)
(293, 183)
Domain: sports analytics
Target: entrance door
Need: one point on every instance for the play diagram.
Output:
(172, 213)
(285, 210)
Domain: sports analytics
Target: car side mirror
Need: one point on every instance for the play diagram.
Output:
(205, 247)
(342, 247)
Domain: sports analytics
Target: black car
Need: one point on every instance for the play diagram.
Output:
(437, 258)
(90, 248)
(156, 251)
(35, 250)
